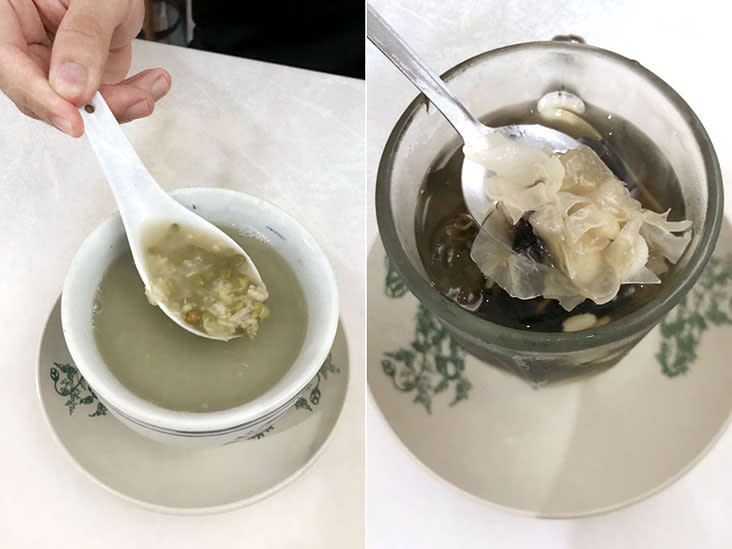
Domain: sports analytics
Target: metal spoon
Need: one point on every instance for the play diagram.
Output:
(384, 37)
(142, 203)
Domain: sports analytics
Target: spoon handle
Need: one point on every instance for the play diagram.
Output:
(132, 185)
(384, 37)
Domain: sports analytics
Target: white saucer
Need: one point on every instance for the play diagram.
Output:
(569, 450)
(176, 480)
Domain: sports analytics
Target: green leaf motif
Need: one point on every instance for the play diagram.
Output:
(395, 286)
(263, 433)
(709, 303)
(78, 393)
(426, 368)
(100, 411)
(73, 386)
(312, 391)
(432, 363)
(302, 403)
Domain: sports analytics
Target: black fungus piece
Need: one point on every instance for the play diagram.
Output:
(526, 241)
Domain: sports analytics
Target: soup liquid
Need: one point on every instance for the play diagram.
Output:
(161, 362)
(445, 231)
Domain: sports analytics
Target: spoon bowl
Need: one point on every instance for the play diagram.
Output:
(474, 174)
(143, 205)
(471, 130)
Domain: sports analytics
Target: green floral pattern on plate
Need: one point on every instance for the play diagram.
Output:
(433, 361)
(708, 303)
(310, 398)
(395, 286)
(68, 382)
(313, 392)
(258, 435)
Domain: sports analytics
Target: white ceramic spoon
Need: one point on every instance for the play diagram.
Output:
(384, 37)
(142, 203)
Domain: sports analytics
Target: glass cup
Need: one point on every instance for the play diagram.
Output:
(521, 73)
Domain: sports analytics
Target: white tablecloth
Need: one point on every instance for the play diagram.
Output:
(686, 44)
(294, 137)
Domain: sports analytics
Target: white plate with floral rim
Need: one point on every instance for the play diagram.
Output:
(178, 480)
(567, 450)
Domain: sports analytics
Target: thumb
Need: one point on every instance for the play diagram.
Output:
(80, 48)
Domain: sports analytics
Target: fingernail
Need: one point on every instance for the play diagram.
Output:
(160, 87)
(138, 110)
(69, 79)
(62, 124)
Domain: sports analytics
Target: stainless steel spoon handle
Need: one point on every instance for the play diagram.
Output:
(384, 37)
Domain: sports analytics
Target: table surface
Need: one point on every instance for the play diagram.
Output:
(408, 506)
(291, 136)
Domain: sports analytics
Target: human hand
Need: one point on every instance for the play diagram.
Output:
(55, 54)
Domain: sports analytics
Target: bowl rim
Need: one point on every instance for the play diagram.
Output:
(173, 422)
(636, 322)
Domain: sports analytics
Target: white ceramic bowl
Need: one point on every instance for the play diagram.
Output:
(222, 207)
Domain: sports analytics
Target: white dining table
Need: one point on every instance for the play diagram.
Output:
(686, 44)
(293, 137)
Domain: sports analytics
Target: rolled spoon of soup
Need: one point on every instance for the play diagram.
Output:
(195, 273)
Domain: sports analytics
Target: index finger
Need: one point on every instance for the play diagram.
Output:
(25, 82)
